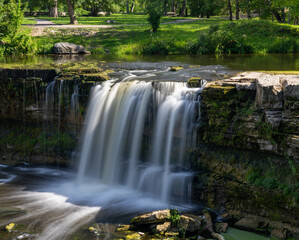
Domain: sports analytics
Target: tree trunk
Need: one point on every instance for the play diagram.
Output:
(54, 10)
(230, 10)
(248, 9)
(276, 15)
(94, 10)
(132, 7)
(283, 15)
(183, 8)
(71, 11)
(174, 6)
(237, 10)
(128, 9)
(165, 7)
(274, 12)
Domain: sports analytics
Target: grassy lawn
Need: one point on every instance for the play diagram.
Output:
(184, 38)
(119, 18)
(28, 21)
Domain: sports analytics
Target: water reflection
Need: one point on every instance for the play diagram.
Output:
(281, 62)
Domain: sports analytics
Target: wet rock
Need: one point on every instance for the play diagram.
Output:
(176, 68)
(221, 227)
(279, 233)
(172, 234)
(133, 236)
(251, 223)
(195, 82)
(200, 238)
(123, 228)
(190, 223)
(69, 48)
(151, 218)
(25, 236)
(273, 117)
(163, 227)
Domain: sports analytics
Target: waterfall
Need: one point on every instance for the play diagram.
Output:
(75, 106)
(138, 134)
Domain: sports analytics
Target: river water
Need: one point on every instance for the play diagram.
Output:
(132, 153)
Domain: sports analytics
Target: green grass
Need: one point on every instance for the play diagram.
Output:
(28, 21)
(247, 36)
(119, 18)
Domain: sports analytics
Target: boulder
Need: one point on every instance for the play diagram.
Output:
(279, 233)
(251, 223)
(152, 218)
(69, 48)
(221, 227)
(190, 223)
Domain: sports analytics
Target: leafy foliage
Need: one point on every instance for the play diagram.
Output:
(174, 217)
(154, 19)
(14, 40)
(154, 10)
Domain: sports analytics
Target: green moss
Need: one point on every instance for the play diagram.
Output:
(175, 69)
(57, 141)
(194, 82)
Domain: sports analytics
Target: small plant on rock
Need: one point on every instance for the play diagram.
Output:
(174, 217)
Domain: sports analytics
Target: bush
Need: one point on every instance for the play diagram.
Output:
(156, 46)
(219, 41)
(283, 45)
(154, 18)
(13, 39)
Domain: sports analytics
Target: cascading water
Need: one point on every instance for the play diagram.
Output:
(75, 106)
(138, 134)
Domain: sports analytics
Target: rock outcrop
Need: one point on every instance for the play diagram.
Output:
(248, 155)
(255, 111)
(69, 48)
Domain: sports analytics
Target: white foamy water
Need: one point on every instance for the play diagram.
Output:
(137, 134)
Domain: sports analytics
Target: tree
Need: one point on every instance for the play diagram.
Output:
(155, 11)
(54, 9)
(237, 10)
(183, 8)
(230, 10)
(71, 11)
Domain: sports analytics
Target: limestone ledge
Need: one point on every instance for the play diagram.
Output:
(253, 110)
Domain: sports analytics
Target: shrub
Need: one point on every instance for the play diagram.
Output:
(157, 46)
(154, 18)
(220, 42)
(283, 45)
(13, 39)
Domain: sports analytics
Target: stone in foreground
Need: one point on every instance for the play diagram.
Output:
(151, 218)
(69, 48)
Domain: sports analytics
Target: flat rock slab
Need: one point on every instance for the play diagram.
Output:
(69, 48)
(152, 218)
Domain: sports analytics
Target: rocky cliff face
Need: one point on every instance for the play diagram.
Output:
(253, 111)
(249, 151)
(41, 111)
